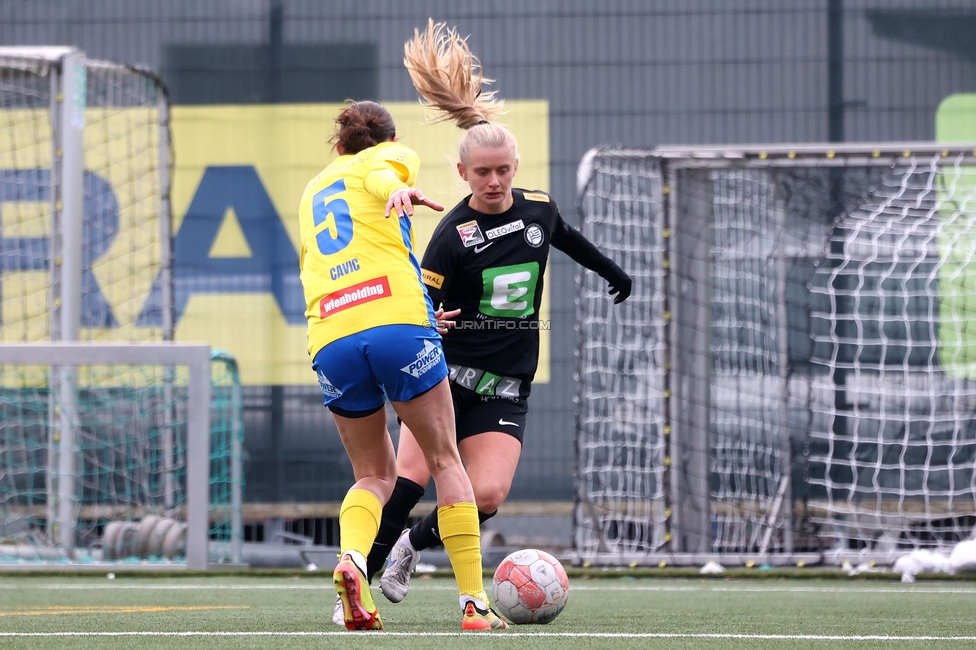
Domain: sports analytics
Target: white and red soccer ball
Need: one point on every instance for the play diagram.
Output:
(530, 586)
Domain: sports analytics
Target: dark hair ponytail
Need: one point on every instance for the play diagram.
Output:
(362, 125)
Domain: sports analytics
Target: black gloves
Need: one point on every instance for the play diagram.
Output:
(620, 283)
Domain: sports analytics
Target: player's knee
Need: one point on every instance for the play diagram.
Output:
(488, 498)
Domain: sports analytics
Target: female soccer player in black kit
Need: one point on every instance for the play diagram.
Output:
(487, 258)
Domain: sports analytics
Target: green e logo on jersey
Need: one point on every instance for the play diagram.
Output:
(509, 291)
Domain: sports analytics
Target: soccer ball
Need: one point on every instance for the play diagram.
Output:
(530, 586)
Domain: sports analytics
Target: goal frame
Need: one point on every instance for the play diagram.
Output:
(196, 358)
(687, 505)
(690, 488)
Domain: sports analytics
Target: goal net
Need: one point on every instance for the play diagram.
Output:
(96, 460)
(116, 465)
(793, 377)
(84, 199)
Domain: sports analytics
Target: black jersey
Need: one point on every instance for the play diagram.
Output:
(491, 267)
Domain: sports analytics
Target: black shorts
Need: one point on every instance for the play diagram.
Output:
(476, 413)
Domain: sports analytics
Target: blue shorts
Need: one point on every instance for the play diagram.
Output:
(358, 372)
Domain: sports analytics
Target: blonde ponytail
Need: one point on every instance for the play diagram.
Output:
(449, 78)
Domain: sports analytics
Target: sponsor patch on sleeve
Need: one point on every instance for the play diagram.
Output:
(432, 279)
(536, 196)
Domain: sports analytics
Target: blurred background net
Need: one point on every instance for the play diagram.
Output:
(130, 483)
(128, 425)
(800, 351)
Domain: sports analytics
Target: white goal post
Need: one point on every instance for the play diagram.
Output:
(794, 376)
(103, 446)
(196, 358)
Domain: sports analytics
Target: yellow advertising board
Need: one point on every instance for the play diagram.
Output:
(121, 235)
(239, 175)
(955, 122)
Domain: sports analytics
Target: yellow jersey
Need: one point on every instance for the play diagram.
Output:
(358, 269)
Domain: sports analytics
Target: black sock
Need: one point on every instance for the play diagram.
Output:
(405, 496)
(426, 533)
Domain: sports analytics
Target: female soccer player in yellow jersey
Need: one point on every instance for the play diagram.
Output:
(486, 258)
(372, 335)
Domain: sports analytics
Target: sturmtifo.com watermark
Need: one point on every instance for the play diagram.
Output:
(491, 325)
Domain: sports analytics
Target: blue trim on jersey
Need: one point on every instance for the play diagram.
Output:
(405, 227)
(358, 372)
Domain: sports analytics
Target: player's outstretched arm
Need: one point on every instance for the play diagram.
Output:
(403, 200)
(583, 252)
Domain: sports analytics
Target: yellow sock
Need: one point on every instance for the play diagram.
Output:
(461, 535)
(359, 521)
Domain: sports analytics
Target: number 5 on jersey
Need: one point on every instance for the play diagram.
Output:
(332, 219)
(509, 291)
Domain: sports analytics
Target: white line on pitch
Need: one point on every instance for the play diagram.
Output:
(513, 635)
(758, 589)
(920, 589)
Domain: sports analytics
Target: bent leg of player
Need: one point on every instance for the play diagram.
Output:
(426, 533)
(431, 419)
(490, 442)
(405, 555)
(371, 453)
(412, 470)
(491, 459)
(396, 512)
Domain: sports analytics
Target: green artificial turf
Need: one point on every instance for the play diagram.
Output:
(245, 611)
